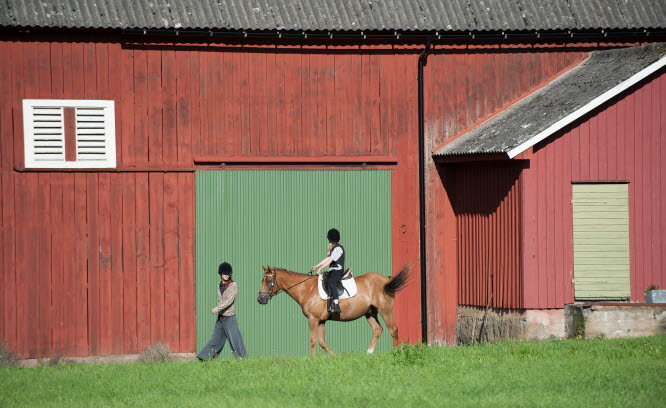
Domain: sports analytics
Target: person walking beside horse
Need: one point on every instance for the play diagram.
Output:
(226, 326)
(335, 260)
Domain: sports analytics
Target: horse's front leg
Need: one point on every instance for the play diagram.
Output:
(322, 338)
(313, 334)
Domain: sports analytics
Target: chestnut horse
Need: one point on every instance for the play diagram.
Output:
(375, 295)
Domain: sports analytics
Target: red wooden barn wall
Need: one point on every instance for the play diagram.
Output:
(487, 206)
(622, 141)
(92, 262)
(463, 86)
(176, 101)
(103, 259)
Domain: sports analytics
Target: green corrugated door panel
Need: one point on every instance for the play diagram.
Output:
(601, 241)
(280, 218)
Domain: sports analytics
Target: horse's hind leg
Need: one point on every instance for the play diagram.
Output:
(376, 329)
(322, 338)
(386, 310)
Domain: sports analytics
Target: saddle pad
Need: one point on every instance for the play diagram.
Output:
(349, 284)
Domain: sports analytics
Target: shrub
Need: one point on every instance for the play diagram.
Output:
(409, 355)
(155, 353)
(7, 356)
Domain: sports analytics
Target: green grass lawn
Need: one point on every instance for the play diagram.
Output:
(604, 373)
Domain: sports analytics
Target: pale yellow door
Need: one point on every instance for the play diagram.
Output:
(601, 241)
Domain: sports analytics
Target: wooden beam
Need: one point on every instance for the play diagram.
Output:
(297, 160)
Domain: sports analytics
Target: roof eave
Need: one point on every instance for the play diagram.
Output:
(471, 157)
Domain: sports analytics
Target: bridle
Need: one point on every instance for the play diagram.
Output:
(273, 283)
(270, 283)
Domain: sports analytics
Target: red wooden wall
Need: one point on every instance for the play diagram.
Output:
(487, 206)
(624, 140)
(121, 242)
(463, 86)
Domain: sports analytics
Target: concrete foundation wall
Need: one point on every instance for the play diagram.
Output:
(618, 321)
(574, 321)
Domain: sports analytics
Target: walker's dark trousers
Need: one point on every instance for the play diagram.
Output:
(226, 328)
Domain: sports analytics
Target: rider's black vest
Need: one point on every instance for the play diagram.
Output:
(338, 265)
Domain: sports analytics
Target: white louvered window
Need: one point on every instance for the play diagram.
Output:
(69, 133)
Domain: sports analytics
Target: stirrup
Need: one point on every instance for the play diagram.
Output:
(334, 308)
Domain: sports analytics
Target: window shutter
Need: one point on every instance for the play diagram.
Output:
(48, 134)
(91, 134)
(45, 139)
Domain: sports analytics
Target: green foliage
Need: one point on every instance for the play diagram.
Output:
(651, 287)
(589, 373)
(580, 333)
(409, 355)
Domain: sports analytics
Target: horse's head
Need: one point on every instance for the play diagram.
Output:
(268, 287)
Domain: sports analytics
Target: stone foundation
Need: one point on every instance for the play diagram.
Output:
(500, 324)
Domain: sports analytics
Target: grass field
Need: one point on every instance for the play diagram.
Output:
(603, 373)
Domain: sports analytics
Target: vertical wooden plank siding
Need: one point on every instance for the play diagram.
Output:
(105, 258)
(399, 138)
(618, 142)
(84, 307)
(442, 309)
(116, 256)
(171, 255)
(487, 210)
(69, 241)
(462, 89)
(143, 322)
(186, 217)
(129, 267)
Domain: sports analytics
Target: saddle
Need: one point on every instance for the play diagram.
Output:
(346, 287)
(340, 287)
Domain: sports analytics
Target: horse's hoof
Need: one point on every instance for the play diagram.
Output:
(371, 351)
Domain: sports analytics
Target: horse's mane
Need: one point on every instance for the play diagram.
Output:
(288, 270)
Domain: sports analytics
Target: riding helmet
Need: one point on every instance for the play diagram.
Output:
(333, 235)
(224, 268)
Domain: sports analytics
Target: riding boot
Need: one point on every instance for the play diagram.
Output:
(335, 308)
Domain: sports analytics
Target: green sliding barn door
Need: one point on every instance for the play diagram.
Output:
(601, 241)
(280, 218)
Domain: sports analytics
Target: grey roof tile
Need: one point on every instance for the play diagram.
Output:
(337, 15)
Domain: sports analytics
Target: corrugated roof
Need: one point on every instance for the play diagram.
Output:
(532, 118)
(337, 15)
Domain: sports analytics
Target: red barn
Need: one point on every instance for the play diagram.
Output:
(111, 111)
(557, 197)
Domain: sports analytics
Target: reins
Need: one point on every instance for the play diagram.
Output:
(274, 283)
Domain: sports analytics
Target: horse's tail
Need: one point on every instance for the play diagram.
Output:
(398, 281)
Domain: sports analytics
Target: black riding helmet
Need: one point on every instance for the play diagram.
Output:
(224, 269)
(333, 235)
